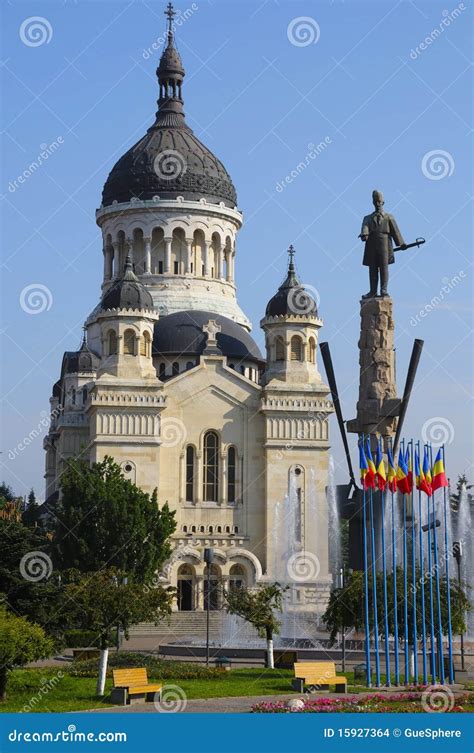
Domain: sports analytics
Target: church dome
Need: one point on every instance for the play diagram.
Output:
(291, 299)
(183, 334)
(169, 161)
(127, 292)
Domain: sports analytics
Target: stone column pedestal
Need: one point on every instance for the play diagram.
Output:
(378, 405)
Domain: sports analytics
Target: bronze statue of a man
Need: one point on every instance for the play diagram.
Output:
(379, 230)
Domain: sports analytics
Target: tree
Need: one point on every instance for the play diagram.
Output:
(346, 605)
(100, 601)
(27, 581)
(104, 520)
(30, 515)
(20, 642)
(6, 492)
(259, 607)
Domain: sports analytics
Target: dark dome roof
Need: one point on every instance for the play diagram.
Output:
(182, 334)
(127, 292)
(169, 161)
(291, 299)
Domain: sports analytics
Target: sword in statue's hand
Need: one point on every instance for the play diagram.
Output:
(419, 242)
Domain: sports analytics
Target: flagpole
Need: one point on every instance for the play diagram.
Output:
(413, 568)
(448, 585)
(366, 588)
(374, 593)
(395, 603)
(430, 579)
(405, 591)
(385, 598)
(438, 593)
(422, 581)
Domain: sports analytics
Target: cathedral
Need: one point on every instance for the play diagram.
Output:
(170, 383)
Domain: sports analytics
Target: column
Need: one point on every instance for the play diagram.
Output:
(219, 263)
(105, 252)
(199, 478)
(116, 247)
(205, 258)
(228, 256)
(232, 266)
(223, 479)
(189, 255)
(168, 242)
(129, 244)
(199, 592)
(147, 242)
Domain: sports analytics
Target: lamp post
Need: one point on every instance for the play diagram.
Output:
(208, 559)
(457, 554)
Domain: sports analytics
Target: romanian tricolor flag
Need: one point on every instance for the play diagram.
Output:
(439, 476)
(421, 482)
(372, 472)
(427, 472)
(410, 468)
(403, 483)
(362, 464)
(392, 474)
(381, 476)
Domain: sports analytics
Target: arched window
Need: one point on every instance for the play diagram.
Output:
(280, 349)
(73, 396)
(162, 370)
(112, 343)
(189, 365)
(175, 368)
(211, 529)
(296, 348)
(185, 529)
(231, 468)
(312, 350)
(190, 473)
(84, 395)
(211, 467)
(145, 345)
(219, 529)
(129, 342)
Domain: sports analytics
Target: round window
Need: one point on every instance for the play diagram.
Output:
(128, 468)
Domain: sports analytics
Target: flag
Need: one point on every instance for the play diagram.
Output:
(421, 483)
(362, 464)
(403, 483)
(409, 469)
(381, 476)
(439, 476)
(371, 473)
(427, 472)
(366, 475)
(392, 474)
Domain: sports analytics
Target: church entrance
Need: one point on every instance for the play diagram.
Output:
(185, 588)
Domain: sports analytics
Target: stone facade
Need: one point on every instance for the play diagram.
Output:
(236, 444)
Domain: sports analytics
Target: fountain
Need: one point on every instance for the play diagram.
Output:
(464, 535)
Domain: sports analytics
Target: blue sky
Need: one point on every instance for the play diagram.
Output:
(393, 109)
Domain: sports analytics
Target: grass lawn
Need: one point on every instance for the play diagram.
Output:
(78, 693)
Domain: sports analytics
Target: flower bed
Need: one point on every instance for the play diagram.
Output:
(378, 703)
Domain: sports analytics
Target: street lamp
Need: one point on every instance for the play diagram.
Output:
(208, 559)
(457, 554)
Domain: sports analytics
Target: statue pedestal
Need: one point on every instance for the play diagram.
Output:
(378, 405)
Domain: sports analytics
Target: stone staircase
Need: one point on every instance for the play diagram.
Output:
(185, 627)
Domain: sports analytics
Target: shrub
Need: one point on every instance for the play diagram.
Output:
(160, 669)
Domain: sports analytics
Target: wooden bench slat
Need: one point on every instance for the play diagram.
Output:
(317, 673)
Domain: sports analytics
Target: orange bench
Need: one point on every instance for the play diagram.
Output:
(133, 682)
